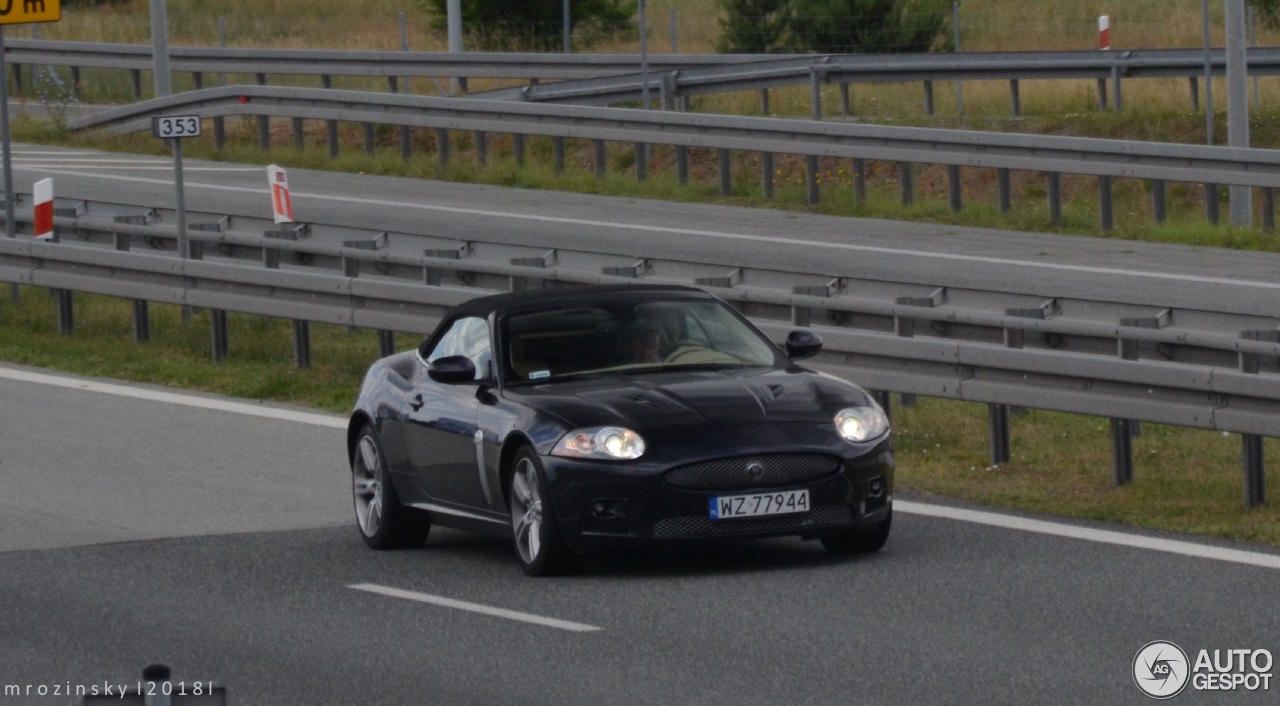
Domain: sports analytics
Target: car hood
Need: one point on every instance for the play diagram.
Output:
(658, 401)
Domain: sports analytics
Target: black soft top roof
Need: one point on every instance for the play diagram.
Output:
(536, 298)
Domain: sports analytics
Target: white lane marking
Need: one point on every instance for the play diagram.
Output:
(136, 167)
(1183, 548)
(64, 159)
(1089, 534)
(175, 398)
(611, 225)
(474, 607)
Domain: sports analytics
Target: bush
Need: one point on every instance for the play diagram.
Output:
(533, 25)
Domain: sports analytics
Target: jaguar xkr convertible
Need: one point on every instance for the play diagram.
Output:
(577, 419)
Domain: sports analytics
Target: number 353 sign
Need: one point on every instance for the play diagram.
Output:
(174, 126)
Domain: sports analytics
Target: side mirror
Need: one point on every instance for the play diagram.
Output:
(803, 344)
(452, 370)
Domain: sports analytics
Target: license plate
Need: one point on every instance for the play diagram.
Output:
(783, 502)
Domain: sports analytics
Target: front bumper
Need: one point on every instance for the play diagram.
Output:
(600, 504)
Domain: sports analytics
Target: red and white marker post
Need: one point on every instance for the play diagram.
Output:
(281, 204)
(1104, 32)
(43, 193)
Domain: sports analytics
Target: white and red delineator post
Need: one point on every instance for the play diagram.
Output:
(281, 203)
(43, 193)
(1104, 32)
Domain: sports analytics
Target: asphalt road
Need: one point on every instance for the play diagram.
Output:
(1039, 265)
(214, 536)
(138, 526)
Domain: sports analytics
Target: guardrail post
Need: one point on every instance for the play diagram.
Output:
(264, 122)
(482, 147)
(218, 324)
(602, 159)
(1055, 198)
(386, 343)
(642, 161)
(764, 101)
(815, 94)
(1268, 209)
(442, 146)
(1106, 210)
(1159, 207)
(517, 146)
(906, 399)
(845, 107)
(1015, 97)
(137, 82)
(1005, 190)
(368, 138)
(904, 175)
(928, 98)
(141, 320)
(1211, 211)
(1255, 492)
(682, 164)
(859, 181)
(66, 311)
(811, 179)
(197, 79)
(302, 343)
(726, 173)
(1121, 452)
(882, 399)
(998, 415)
(557, 154)
(766, 174)
(1115, 85)
(331, 128)
(1102, 94)
(954, 187)
(75, 83)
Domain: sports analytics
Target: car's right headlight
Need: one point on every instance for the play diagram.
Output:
(860, 424)
(612, 443)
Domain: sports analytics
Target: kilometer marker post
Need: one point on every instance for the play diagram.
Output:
(174, 128)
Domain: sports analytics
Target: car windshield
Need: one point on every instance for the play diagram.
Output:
(636, 335)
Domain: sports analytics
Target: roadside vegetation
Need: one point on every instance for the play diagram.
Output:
(1185, 480)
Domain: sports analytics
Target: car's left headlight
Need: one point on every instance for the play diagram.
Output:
(613, 443)
(861, 423)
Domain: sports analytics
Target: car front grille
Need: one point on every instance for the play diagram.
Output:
(753, 471)
(702, 526)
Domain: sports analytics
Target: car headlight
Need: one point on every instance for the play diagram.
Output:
(861, 423)
(614, 443)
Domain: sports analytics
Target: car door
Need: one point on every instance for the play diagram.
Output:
(440, 435)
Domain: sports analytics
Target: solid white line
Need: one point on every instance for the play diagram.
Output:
(1171, 546)
(64, 159)
(474, 607)
(175, 398)
(136, 167)
(992, 519)
(616, 226)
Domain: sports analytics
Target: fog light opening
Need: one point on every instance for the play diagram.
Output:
(876, 488)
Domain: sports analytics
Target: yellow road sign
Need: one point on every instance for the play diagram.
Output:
(14, 12)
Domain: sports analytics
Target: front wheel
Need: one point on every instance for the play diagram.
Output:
(383, 522)
(538, 544)
(859, 541)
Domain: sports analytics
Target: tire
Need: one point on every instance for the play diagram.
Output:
(382, 521)
(539, 546)
(861, 541)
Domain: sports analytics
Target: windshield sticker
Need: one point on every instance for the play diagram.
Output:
(539, 374)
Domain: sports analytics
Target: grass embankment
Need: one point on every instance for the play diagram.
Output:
(1187, 481)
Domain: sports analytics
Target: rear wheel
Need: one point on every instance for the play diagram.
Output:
(536, 537)
(859, 541)
(383, 522)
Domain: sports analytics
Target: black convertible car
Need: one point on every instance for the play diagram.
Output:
(577, 418)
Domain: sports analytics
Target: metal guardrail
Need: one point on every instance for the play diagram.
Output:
(1105, 159)
(1195, 368)
(605, 79)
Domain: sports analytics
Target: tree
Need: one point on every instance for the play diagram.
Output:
(752, 26)
(847, 26)
(533, 25)
(1268, 11)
